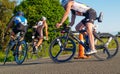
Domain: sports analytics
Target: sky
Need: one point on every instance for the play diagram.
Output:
(111, 14)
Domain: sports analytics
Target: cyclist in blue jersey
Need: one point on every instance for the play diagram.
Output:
(80, 9)
(19, 23)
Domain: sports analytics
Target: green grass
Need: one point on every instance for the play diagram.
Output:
(2, 56)
(11, 57)
(118, 38)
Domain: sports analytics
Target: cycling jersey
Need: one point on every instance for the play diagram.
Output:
(20, 24)
(20, 19)
(80, 7)
(39, 30)
(88, 12)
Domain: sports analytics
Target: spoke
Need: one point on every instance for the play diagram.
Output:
(107, 51)
(109, 40)
(58, 53)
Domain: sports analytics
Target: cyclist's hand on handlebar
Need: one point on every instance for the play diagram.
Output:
(58, 25)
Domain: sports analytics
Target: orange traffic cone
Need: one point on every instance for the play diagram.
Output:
(81, 53)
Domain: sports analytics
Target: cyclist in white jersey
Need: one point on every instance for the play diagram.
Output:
(80, 9)
(41, 25)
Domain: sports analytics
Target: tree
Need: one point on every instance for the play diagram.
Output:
(35, 9)
(6, 10)
(118, 32)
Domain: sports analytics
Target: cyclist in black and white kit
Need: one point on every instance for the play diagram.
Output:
(39, 27)
(80, 9)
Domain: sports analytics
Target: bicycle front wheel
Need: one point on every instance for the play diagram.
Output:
(64, 52)
(106, 45)
(21, 52)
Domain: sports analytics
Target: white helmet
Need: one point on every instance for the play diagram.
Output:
(64, 2)
(43, 18)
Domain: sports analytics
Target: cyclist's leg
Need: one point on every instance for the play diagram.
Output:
(90, 16)
(39, 42)
(79, 26)
(23, 31)
(39, 35)
(90, 35)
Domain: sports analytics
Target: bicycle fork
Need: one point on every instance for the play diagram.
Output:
(60, 44)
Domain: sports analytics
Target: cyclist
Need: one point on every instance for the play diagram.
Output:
(41, 25)
(19, 24)
(80, 9)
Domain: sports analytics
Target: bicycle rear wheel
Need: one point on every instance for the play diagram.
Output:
(21, 52)
(106, 45)
(62, 53)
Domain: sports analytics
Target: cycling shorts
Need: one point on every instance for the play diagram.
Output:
(90, 16)
(38, 34)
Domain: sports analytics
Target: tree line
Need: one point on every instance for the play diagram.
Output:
(33, 10)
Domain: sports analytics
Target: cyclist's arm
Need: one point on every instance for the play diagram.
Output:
(10, 24)
(72, 18)
(68, 9)
(46, 29)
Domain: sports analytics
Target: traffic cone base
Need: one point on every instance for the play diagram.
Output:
(83, 57)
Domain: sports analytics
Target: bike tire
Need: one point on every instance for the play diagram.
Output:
(59, 55)
(107, 46)
(20, 55)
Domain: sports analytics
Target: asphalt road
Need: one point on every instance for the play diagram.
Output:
(47, 66)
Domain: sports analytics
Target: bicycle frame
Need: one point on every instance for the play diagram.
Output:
(17, 40)
(71, 34)
(15, 46)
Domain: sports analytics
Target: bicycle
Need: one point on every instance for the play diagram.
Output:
(63, 48)
(41, 52)
(19, 48)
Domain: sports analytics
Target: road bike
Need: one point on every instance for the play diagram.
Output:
(63, 48)
(40, 52)
(19, 48)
